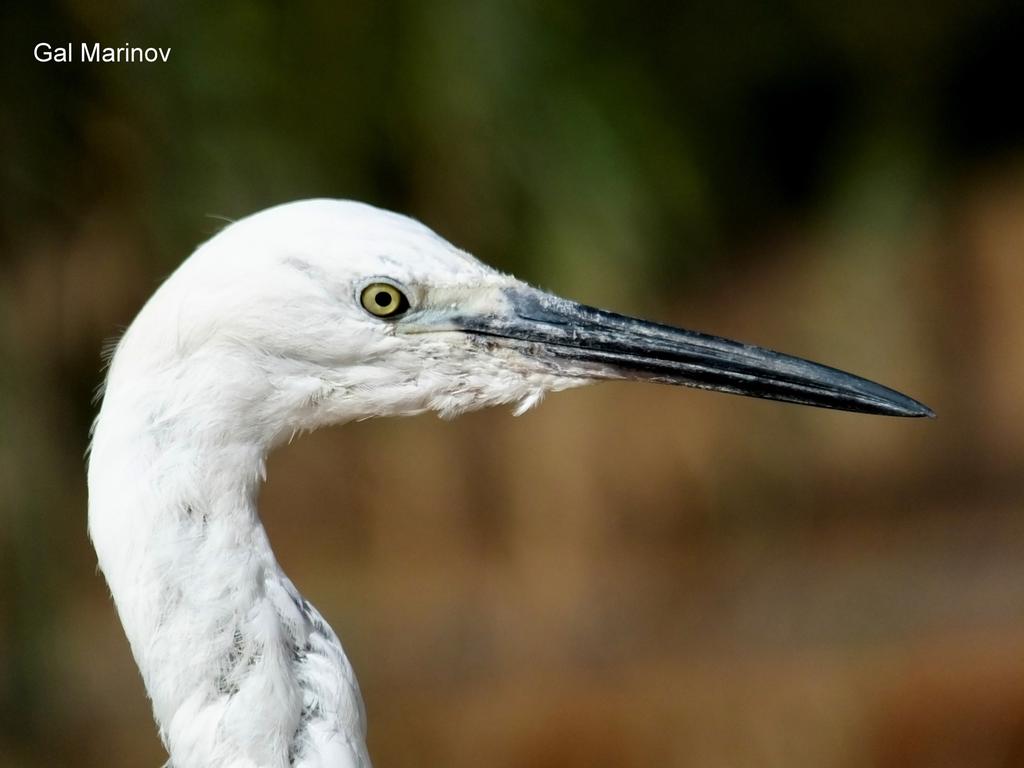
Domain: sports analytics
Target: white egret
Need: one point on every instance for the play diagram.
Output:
(313, 313)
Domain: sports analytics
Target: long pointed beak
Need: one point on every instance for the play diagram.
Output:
(607, 345)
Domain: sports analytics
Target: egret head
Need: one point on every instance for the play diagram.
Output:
(325, 311)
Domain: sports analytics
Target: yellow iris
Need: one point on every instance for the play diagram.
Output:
(383, 300)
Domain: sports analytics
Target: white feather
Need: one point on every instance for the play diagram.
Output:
(256, 337)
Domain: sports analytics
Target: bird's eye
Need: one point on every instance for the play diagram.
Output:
(383, 300)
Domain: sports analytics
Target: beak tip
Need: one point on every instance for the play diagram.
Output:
(925, 411)
(913, 409)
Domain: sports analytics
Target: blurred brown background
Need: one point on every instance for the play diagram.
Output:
(629, 575)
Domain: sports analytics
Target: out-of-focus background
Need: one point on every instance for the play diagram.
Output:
(629, 575)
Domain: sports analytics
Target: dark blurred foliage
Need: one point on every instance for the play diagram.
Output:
(626, 577)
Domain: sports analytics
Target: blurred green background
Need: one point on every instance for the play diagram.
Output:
(629, 575)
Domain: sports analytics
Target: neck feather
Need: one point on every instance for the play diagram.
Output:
(223, 640)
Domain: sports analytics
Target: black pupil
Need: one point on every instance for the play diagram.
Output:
(382, 299)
